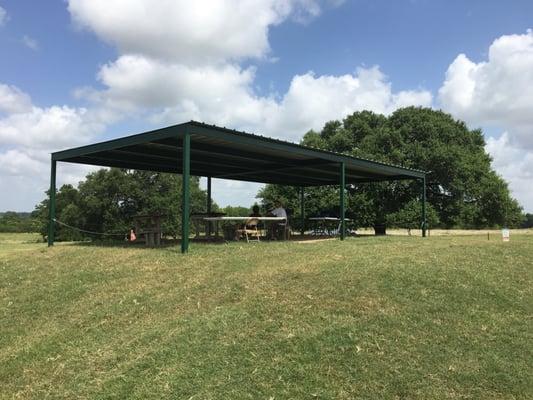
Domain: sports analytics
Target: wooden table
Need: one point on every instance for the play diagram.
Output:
(149, 226)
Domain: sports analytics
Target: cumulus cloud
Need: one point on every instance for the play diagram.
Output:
(44, 128)
(515, 165)
(13, 100)
(496, 91)
(223, 94)
(18, 163)
(313, 100)
(28, 134)
(174, 67)
(189, 31)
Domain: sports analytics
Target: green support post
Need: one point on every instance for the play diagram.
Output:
(302, 211)
(186, 172)
(208, 204)
(342, 189)
(424, 219)
(52, 204)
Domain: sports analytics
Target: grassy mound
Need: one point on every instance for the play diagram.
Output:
(370, 318)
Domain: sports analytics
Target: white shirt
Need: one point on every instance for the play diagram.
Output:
(279, 212)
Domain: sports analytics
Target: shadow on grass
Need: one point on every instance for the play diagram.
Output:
(176, 243)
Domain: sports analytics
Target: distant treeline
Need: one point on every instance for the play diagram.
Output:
(11, 221)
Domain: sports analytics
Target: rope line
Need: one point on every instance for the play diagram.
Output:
(85, 231)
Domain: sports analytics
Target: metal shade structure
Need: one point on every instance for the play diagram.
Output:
(195, 148)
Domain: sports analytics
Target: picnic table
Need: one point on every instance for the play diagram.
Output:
(242, 219)
(328, 226)
(199, 217)
(148, 226)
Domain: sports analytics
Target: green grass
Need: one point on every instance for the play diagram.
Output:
(370, 318)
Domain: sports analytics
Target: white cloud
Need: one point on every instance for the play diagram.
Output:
(201, 31)
(13, 100)
(137, 81)
(313, 100)
(30, 42)
(3, 16)
(24, 180)
(28, 134)
(223, 94)
(174, 67)
(45, 128)
(515, 165)
(18, 163)
(497, 91)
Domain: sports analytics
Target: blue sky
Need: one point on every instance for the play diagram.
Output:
(412, 41)
(78, 71)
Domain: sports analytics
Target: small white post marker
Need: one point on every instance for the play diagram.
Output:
(505, 234)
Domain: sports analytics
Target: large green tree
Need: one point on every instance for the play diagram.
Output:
(108, 199)
(461, 185)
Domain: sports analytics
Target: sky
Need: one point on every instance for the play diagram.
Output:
(73, 72)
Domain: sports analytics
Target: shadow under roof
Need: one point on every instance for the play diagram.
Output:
(228, 154)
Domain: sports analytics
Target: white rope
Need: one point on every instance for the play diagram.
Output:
(85, 231)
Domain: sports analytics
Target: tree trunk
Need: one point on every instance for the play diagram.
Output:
(380, 229)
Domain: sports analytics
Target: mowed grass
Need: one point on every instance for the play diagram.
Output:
(368, 318)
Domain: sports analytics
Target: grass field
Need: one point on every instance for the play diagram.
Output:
(369, 318)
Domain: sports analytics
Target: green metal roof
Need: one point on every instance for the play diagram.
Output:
(225, 153)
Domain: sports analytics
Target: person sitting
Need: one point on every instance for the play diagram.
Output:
(278, 211)
(255, 211)
(255, 224)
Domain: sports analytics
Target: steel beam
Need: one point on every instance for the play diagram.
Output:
(302, 211)
(424, 219)
(342, 193)
(209, 201)
(52, 204)
(185, 205)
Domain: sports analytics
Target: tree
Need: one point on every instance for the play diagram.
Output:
(108, 199)
(527, 221)
(408, 217)
(235, 211)
(461, 185)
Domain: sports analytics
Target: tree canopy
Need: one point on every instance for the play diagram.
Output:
(462, 187)
(108, 199)
(527, 221)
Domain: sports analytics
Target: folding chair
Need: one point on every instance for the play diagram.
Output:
(249, 230)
